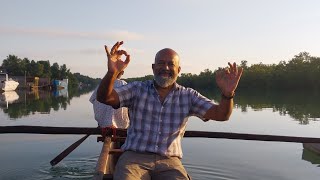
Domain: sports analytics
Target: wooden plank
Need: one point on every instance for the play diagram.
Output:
(113, 139)
(122, 132)
(101, 166)
(116, 151)
(254, 137)
(57, 130)
(49, 130)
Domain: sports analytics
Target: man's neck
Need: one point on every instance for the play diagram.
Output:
(159, 88)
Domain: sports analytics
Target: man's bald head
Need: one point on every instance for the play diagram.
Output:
(167, 53)
(166, 67)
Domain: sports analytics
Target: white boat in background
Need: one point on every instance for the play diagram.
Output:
(6, 83)
(8, 97)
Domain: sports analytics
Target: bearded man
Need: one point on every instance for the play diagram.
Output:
(159, 110)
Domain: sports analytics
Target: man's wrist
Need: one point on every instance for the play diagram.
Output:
(112, 74)
(228, 97)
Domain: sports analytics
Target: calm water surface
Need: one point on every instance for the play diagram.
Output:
(27, 156)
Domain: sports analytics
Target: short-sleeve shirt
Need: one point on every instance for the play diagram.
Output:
(105, 115)
(159, 127)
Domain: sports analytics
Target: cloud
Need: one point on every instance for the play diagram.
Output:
(98, 51)
(59, 33)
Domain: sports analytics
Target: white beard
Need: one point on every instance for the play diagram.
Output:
(165, 81)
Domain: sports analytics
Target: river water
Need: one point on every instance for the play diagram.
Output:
(27, 156)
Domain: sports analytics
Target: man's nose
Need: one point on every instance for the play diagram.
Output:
(166, 66)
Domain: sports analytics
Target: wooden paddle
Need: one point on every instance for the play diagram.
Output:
(67, 151)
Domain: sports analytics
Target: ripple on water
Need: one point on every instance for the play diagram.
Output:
(68, 169)
(208, 172)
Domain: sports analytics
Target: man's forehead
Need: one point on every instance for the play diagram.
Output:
(167, 54)
(167, 51)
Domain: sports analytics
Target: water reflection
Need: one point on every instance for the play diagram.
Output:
(300, 106)
(17, 104)
(8, 97)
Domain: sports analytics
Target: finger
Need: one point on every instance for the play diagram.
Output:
(239, 73)
(107, 50)
(126, 62)
(122, 52)
(227, 71)
(114, 47)
(235, 68)
(118, 45)
(231, 67)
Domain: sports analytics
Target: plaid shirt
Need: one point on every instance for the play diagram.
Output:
(156, 127)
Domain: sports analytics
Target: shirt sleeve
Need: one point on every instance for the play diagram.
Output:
(127, 93)
(199, 104)
(102, 113)
(94, 95)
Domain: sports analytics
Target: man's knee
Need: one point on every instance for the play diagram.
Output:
(129, 168)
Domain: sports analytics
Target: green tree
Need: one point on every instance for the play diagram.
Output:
(46, 68)
(55, 72)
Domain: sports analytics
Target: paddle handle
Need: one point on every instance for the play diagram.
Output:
(67, 151)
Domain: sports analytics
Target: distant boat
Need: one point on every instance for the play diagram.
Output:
(60, 84)
(8, 97)
(6, 83)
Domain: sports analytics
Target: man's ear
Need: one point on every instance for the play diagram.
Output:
(152, 66)
(179, 69)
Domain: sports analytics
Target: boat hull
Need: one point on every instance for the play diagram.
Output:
(9, 85)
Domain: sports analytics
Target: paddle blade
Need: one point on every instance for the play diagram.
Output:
(67, 151)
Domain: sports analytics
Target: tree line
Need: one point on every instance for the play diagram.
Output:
(302, 72)
(25, 67)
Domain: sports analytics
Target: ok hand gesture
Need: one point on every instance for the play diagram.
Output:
(228, 79)
(115, 64)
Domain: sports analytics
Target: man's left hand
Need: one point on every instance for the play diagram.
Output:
(228, 79)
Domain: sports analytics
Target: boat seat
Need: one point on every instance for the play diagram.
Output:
(115, 151)
(113, 139)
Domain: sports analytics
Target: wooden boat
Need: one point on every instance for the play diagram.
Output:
(314, 147)
(108, 158)
(311, 153)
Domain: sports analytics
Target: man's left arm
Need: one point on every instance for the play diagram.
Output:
(220, 112)
(227, 80)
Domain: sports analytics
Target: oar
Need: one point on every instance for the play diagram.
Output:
(67, 151)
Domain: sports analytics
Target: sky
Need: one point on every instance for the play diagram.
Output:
(207, 34)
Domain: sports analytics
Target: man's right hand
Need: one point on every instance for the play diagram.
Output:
(115, 64)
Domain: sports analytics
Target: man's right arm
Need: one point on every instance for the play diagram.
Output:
(106, 94)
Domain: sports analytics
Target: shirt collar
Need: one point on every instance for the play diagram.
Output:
(176, 86)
